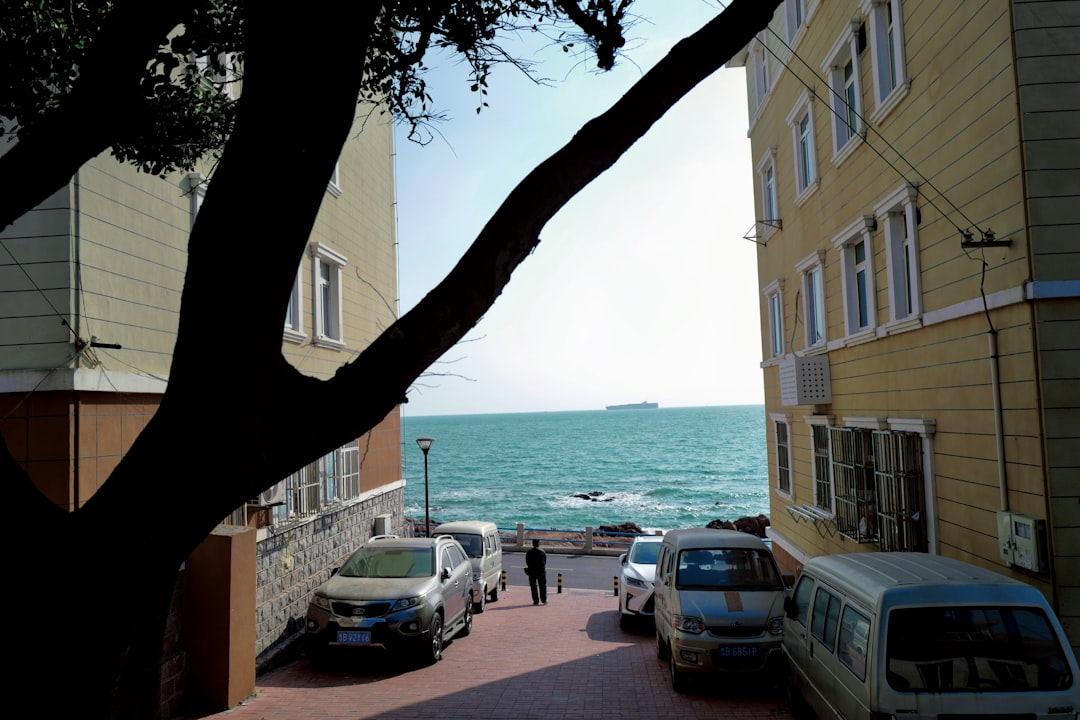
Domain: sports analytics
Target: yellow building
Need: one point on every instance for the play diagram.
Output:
(91, 283)
(917, 189)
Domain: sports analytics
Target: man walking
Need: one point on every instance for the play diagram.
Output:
(536, 568)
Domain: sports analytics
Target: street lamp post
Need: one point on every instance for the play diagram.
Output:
(425, 444)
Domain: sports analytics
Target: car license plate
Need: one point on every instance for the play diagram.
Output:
(354, 637)
(737, 652)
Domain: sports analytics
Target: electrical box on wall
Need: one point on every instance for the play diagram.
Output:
(1022, 541)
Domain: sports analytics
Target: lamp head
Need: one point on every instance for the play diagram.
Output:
(425, 443)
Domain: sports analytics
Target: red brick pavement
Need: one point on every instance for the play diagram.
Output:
(567, 660)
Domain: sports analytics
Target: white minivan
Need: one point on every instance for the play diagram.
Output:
(918, 636)
(484, 548)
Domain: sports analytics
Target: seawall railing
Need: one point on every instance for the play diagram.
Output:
(589, 541)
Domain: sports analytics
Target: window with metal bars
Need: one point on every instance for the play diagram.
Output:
(783, 458)
(879, 487)
(899, 482)
(823, 487)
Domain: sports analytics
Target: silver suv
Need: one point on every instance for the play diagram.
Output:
(408, 595)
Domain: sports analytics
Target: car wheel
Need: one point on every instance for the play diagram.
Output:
(435, 642)
(624, 621)
(494, 595)
(661, 648)
(678, 677)
(796, 702)
(479, 605)
(466, 628)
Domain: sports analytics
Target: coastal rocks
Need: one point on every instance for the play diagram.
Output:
(594, 496)
(626, 527)
(751, 525)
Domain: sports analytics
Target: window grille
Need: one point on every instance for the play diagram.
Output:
(853, 473)
(898, 477)
(823, 490)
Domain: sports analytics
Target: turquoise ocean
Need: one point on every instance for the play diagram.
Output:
(661, 469)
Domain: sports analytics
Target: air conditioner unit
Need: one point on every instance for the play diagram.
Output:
(805, 381)
(274, 495)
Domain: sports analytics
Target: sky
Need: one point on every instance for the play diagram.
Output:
(643, 286)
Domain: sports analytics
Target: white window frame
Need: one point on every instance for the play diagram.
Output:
(811, 270)
(889, 62)
(894, 214)
(759, 56)
(826, 506)
(770, 209)
(333, 336)
(774, 311)
(783, 458)
(845, 50)
(795, 17)
(846, 244)
(803, 147)
(194, 186)
(294, 331)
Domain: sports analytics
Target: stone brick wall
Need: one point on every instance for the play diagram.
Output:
(293, 562)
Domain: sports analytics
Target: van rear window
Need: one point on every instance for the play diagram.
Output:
(945, 649)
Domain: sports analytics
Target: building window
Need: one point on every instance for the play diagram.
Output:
(886, 40)
(294, 312)
(762, 81)
(845, 91)
(774, 304)
(899, 217)
(879, 487)
(857, 276)
(813, 291)
(823, 487)
(797, 14)
(801, 121)
(334, 186)
(783, 457)
(194, 186)
(770, 211)
(326, 281)
(333, 478)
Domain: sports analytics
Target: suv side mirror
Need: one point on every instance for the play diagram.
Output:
(446, 573)
(622, 559)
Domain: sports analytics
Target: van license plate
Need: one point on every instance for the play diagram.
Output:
(354, 637)
(737, 652)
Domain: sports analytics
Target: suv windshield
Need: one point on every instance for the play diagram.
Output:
(645, 553)
(390, 562)
(727, 569)
(961, 649)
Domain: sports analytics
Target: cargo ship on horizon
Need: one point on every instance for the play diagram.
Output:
(635, 406)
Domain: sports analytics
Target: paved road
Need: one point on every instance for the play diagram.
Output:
(580, 572)
(567, 660)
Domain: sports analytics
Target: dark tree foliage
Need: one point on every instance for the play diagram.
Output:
(81, 78)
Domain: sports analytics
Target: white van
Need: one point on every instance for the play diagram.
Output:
(484, 548)
(718, 602)
(918, 636)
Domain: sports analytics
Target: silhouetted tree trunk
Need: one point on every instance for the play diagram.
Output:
(93, 586)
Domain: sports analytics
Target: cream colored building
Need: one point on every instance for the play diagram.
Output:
(90, 285)
(917, 190)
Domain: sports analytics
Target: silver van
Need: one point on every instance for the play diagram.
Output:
(918, 636)
(718, 603)
(484, 548)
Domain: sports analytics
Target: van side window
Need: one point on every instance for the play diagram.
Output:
(851, 644)
(803, 591)
(826, 614)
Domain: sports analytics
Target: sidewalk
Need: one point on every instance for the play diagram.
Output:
(567, 660)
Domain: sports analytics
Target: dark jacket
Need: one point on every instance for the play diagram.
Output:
(536, 562)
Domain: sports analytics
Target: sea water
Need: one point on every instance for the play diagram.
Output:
(660, 469)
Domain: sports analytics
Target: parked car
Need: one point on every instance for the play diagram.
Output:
(484, 548)
(719, 604)
(638, 565)
(408, 595)
(919, 636)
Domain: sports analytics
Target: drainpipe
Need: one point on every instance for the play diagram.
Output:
(999, 432)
